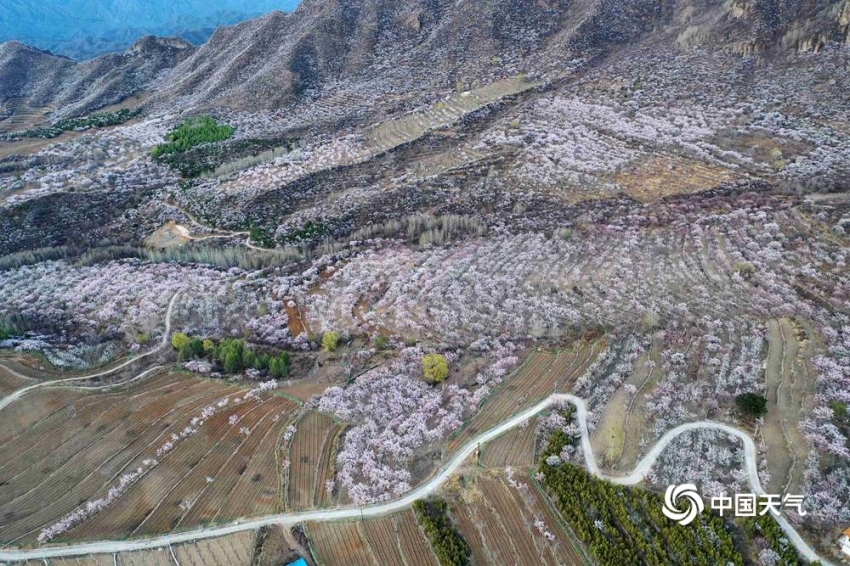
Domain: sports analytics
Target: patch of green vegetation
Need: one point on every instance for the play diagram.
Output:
(202, 253)
(621, 525)
(751, 405)
(101, 120)
(309, 233)
(232, 355)
(330, 341)
(12, 326)
(840, 413)
(197, 161)
(260, 237)
(436, 368)
(31, 257)
(841, 416)
(6, 331)
(191, 133)
(448, 544)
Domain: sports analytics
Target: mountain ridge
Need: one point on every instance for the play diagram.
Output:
(85, 30)
(378, 49)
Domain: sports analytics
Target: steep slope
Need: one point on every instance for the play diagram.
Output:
(401, 46)
(38, 79)
(273, 60)
(376, 57)
(25, 70)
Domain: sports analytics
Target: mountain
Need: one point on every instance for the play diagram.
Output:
(194, 29)
(382, 56)
(39, 79)
(392, 45)
(83, 29)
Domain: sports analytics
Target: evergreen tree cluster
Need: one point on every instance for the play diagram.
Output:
(232, 355)
(101, 120)
(191, 133)
(622, 526)
(448, 544)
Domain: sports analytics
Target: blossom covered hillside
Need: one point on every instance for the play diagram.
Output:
(328, 255)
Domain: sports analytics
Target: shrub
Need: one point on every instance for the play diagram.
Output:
(234, 356)
(231, 354)
(764, 529)
(260, 237)
(232, 362)
(101, 120)
(745, 269)
(751, 404)
(187, 348)
(436, 368)
(279, 366)
(12, 326)
(179, 340)
(204, 159)
(330, 341)
(839, 411)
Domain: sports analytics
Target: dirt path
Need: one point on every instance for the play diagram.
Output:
(9, 399)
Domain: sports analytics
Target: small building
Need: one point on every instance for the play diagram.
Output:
(844, 542)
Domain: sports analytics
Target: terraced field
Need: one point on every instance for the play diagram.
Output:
(505, 524)
(12, 380)
(515, 448)
(622, 431)
(661, 176)
(395, 539)
(340, 543)
(542, 374)
(789, 389)
(312, 461)
(73, 446)
(404, 129)
(194, 483)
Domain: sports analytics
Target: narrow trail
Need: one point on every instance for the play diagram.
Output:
(292, 519)
(12, 397)
(184, 232)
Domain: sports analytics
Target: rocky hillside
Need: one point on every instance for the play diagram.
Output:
(273, 60)
(36, 79)
(384, 55)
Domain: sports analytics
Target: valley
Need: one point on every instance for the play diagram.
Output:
(430, 283)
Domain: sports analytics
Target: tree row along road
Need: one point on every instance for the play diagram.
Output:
(292, 519)
(11, 398)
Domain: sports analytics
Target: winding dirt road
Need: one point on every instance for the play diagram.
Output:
(291, 519)
(11, 398)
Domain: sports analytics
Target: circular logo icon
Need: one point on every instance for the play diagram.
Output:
(692, 503)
